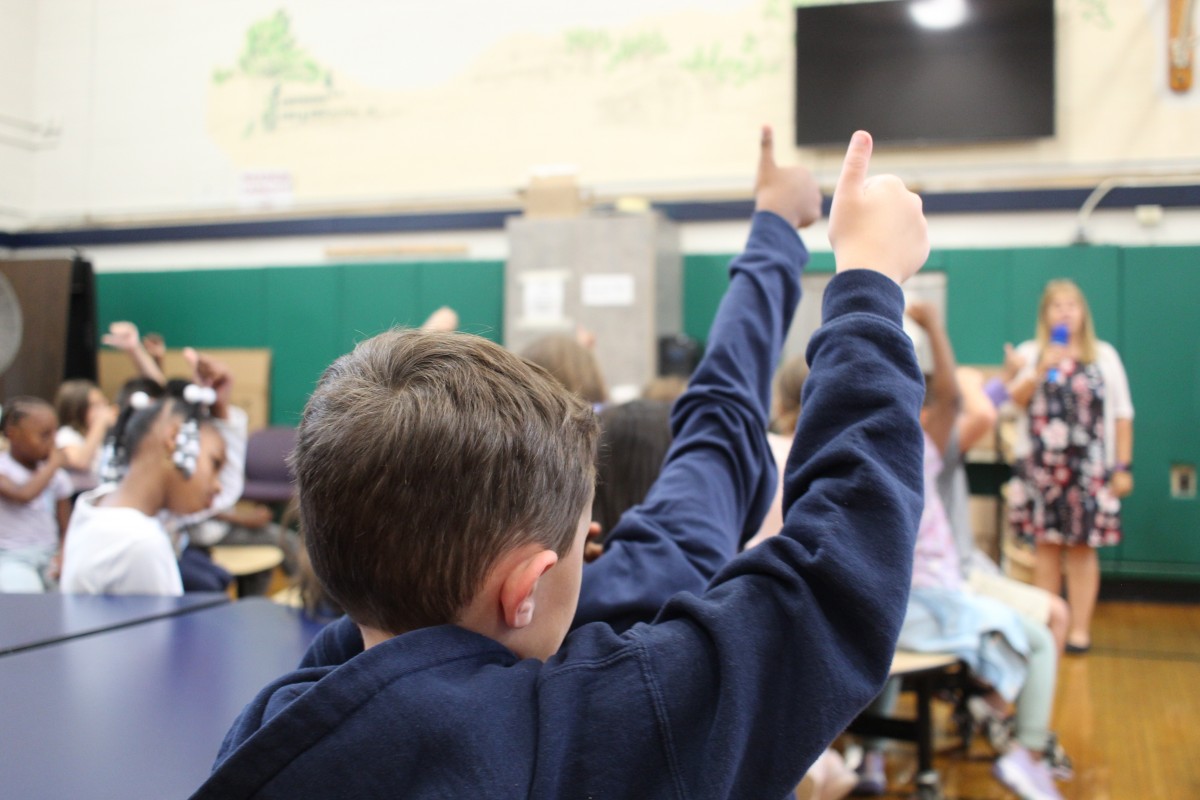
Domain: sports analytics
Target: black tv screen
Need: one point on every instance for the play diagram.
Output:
(925, 71)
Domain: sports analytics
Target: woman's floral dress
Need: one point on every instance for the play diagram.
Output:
(1059, 494)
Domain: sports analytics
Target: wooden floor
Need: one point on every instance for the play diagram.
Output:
(1128, 713)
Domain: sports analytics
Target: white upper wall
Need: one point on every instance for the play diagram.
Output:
(18, 136)
(188, 110)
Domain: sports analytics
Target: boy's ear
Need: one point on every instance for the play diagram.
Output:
(518, 590)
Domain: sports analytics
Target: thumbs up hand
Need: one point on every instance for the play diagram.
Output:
(790, 192)
(875, 223)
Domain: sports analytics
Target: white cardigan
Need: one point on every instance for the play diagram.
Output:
(1118, 403)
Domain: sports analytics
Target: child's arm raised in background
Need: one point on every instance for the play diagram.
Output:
(750, 681)
(124, 337)
(942, 400)
(230, 423)
(978, 415)
(719, 476)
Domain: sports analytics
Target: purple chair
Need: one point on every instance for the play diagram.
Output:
(268, 479)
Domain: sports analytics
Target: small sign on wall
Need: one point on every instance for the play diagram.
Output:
(608, 290)
(543, 299)
(265, 189)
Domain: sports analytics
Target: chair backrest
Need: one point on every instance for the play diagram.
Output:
(266, 454)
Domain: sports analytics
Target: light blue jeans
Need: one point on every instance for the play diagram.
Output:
(25, 571)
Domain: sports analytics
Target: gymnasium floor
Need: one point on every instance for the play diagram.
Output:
(1128, 713)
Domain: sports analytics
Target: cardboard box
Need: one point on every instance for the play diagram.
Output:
(553, 196)
(251, 369)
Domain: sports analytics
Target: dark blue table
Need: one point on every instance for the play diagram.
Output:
(34, 620)
(139, 711)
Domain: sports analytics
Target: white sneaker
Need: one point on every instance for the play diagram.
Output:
(1031, 780)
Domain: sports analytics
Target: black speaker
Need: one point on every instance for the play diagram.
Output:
(80, 358)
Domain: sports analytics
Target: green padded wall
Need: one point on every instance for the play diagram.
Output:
(307, 316)
(1160, 347)
(1141, 298)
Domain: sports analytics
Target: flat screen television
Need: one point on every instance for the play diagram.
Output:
(919, 72)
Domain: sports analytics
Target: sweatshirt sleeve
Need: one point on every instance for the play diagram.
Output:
(718, 477)
(795, 637)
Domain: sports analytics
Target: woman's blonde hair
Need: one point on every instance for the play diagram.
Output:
(1087, 343)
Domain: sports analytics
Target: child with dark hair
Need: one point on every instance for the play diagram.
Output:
(634, 438)
(34, 496)
(169, 455)
(445, 490)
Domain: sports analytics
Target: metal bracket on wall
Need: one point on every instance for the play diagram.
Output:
(1107, 185)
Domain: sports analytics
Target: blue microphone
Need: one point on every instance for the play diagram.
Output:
(1061, 336)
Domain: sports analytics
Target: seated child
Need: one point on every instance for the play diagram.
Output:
(34, 497)
(170, 457)
(84, 418)
(199, 529)
(445, 489)
(1012, 654)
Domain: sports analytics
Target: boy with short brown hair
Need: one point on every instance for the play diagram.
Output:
(732, 693)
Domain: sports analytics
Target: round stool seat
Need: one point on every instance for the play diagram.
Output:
(250, 559)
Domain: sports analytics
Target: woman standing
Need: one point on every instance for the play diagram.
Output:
(1074, 451)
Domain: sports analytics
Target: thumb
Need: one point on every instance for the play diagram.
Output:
(766, 153)
(854, 167)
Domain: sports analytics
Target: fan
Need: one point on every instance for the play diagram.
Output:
(11, 324)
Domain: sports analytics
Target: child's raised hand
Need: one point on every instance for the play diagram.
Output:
(924, 314)
(57, 459)
(102, 415)
(207, 371)
(445, 320)
(122, 335)
(156, 346)
(790, 192)
(875, 223)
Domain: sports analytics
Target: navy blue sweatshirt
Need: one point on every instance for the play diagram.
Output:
(730, 692)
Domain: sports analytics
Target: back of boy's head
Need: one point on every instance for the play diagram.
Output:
(18, 408)
(423, 457)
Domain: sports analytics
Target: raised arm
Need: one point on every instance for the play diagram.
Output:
(718, 477)
(231, 423)
(942, 399)
(794, 637)
(978, 416)
(124, 337)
